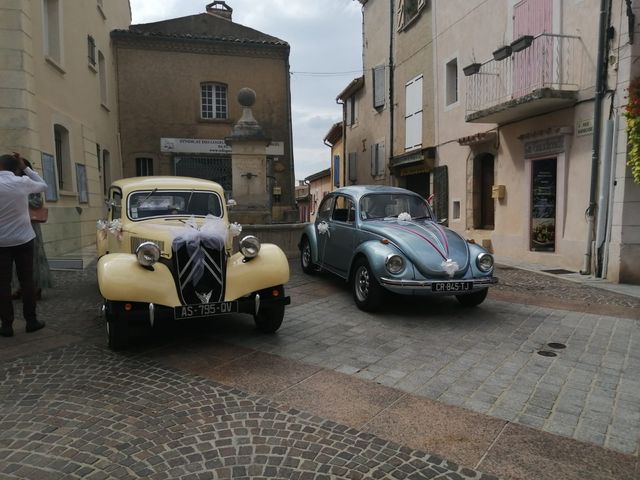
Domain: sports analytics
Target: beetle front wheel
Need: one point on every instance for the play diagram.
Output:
(367, 292)
(473, 299)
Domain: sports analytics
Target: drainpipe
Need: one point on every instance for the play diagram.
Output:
(343, 160)
(603, 198)
(391, 86)
(601, 72)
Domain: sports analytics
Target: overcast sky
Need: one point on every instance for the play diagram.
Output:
(325, 37)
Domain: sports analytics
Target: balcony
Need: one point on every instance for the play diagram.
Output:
(532, 76)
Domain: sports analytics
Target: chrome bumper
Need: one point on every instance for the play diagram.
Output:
(418, 284)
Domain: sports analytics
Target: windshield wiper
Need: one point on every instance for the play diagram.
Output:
(189, 201)
(150, 193)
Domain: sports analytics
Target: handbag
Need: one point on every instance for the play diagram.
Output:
(39, 215)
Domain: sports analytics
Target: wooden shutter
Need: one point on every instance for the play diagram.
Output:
(378, 86)
(413, 114)
(49, 176)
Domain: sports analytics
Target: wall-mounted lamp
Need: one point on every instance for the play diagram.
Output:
(502, 53)
(471, 69)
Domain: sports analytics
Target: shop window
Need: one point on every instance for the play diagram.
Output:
(144, 167)
(63, 157)
(213, 101)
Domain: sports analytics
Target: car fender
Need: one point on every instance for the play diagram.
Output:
(122, 278)
(269, 268)
(376, 253)
(474, 251)
(311, 233)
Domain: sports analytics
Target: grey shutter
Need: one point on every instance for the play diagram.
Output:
(349, 107)
(381, 159)
(353, 173)
(81, 180)
(378, 86)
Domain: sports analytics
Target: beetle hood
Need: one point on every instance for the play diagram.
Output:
(431, 248)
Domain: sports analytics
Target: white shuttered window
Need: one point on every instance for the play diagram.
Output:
(413, 114)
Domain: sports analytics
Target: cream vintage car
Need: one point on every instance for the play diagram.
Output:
(165, 250)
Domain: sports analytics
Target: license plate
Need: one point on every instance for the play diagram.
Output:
(205, 310)
(451, 286)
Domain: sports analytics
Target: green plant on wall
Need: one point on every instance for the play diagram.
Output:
(632, 114)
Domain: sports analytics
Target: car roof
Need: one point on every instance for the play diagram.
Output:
(162, 182)
(358, 191)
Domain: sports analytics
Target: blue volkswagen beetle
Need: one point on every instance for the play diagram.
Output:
(381, 238)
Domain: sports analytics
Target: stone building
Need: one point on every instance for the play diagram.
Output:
(521, 145)
(59, 108)
(178, 81)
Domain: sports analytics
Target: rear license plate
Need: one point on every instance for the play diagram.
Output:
(205, 310)
(451, 286)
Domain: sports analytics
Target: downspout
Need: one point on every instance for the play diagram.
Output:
(343, 160)
(292, 179)
(605, 6)
(391, 88)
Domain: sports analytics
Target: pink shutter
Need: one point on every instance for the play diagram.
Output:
(532, 67)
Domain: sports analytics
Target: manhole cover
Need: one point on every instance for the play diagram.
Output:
(547, 353)
(557, 346)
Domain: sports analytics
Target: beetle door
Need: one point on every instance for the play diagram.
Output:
(339, 247)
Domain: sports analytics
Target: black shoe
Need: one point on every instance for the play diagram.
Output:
(34, 326)
(6, 331)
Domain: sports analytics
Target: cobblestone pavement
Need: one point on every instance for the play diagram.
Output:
(84, 413)
(78, 407)
(485, 359)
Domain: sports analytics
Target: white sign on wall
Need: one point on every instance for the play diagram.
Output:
(584, 127)
(204, 145)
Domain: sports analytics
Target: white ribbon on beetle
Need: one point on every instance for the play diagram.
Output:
(114, 227)
(213, 233)
(323, 227)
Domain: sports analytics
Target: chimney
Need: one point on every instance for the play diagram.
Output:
(219, 8)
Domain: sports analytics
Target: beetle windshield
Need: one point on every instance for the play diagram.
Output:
(167, 203)
(382, 205)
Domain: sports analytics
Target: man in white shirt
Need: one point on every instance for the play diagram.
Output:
(16, 240)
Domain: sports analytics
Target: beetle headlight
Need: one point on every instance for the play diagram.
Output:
(147, 253)
(249, 246)
(485, 262)
(394, 263)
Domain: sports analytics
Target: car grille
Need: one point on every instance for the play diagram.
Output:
(210, 288)
(137, 241)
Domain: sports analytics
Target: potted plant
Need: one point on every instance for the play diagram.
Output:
(502, 53)
(521, 43)
(472, 69)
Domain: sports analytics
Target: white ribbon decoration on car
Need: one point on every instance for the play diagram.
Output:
(323, 227)
(404, 217)
(212, 234)
(114, 227)
(450, 266)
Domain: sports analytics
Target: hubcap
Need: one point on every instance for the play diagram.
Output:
(362, 283)
(306, 255)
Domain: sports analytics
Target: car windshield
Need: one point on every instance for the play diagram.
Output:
(384, 205)
(166, 203)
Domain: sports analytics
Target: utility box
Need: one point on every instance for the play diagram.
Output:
(498, 191)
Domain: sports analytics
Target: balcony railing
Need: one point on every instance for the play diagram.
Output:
(544, 63)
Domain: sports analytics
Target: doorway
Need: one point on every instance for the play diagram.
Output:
(483, 202)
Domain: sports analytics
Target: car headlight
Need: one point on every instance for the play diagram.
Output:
(249, 246)
(147, 253)
(485, 262)
(394, 263)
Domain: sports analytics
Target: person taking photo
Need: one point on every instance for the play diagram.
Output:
(17, 240)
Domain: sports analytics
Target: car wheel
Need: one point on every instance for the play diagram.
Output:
(367, 292)
(117, 329)
(306, 262)
(473, 299)
(268, 320)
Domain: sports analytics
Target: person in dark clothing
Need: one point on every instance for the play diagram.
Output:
(17, 240)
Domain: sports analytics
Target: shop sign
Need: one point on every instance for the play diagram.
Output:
(544, 146)
(584, 127)
(413, 170)
(209, 145)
